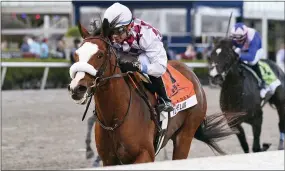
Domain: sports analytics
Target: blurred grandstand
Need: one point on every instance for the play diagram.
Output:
(188, 26)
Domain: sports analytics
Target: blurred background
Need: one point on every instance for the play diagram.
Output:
(43, 129)
(44, 31)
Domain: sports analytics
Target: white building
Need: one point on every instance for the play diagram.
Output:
(56, 17)
(41, 18)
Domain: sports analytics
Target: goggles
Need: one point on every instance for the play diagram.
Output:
(238, 37)
(119, 30)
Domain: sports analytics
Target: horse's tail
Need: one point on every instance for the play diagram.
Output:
(216, 127)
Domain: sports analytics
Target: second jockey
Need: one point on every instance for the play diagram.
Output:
(138, 38)
(247, 42)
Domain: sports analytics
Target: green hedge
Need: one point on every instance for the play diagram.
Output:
(30, 78)
(33, 60)
(73, 32)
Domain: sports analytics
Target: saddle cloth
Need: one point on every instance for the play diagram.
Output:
(179, 89)
(270, 78)
(267, 74)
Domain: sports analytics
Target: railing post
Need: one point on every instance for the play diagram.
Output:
(3, 76)
(44, 79)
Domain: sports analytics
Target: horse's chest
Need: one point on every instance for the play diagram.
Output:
(122, 152)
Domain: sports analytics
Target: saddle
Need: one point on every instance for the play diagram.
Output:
(267, 73)
(269, 77)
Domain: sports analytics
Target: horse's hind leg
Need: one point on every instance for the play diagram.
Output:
(256, 128)
(281, 113)
(183, 138)
(279, 101)
(242, 139)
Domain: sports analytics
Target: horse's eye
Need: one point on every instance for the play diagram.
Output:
(100, 55)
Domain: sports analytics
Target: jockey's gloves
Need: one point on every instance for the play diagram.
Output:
(238, 51)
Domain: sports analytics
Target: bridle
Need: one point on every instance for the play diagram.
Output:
(225, 73)
(99, 78)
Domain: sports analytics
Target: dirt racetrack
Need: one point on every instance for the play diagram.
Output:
(43, 130)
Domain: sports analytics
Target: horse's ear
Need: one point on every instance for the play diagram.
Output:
(105, 28)
(83, 32)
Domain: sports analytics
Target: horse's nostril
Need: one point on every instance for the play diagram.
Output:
(81, 88)
(68, 88)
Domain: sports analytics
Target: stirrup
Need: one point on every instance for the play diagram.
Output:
(164, 107)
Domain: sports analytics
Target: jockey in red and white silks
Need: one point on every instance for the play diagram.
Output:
(139, 38)
(145, 41)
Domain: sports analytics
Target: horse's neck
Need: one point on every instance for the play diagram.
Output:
(234, 75)
(112, 96)
(239, 90)
(232, 89)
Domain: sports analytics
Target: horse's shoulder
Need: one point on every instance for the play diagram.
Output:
(141, 82)
(247, 71)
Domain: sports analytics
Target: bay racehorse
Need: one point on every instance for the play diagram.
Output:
(240, 92)
(126, 129)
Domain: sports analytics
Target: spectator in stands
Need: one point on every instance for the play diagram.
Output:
(189, 53)
(25, 47)
(44, 49)
(60, 48)
(280, 59)
(76, 44)
(35, 47)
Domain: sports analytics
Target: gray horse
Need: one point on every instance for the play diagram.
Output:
(89, 151)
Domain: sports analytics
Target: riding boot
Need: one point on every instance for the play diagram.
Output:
(165, 103)
(263, 88)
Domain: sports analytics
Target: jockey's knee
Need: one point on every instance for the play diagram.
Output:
(259, 55)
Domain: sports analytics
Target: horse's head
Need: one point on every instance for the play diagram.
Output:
(92, 59)
(221, 60)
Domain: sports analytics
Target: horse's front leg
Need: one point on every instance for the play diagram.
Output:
(256, 128)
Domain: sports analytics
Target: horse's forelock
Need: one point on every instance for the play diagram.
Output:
(97, 28)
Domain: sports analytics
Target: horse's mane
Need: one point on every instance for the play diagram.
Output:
(97, 28)
(223, 42)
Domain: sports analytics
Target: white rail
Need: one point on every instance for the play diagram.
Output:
(48, 65)
(273, 160)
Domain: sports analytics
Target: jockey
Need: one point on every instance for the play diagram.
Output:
(138, 38)
(248, 45)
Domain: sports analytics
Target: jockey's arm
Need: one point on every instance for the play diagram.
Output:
(154, 58)
(254, 46)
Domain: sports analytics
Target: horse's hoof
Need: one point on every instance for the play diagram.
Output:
(265, 146)
(96, 163)
(89, 154)
(281, 145)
